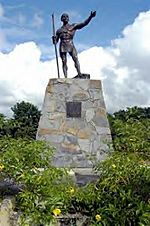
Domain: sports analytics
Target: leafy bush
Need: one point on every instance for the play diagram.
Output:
(132, 136)
(123, 190)
(45, 186)
(121, 195)
(131, 131)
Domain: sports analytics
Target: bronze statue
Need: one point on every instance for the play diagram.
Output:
(66, 34)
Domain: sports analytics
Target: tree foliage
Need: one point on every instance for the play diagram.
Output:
(136, 113)
(26, 113)
(2, 125)
(24, 122)
(131, 131)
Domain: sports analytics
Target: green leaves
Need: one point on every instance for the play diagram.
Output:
(45, 187)
(123, 189)
(131, 131)
(24, 123)
(119, 197)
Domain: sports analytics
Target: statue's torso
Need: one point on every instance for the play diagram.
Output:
(66, 34)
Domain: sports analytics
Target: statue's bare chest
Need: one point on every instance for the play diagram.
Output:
(66, 32)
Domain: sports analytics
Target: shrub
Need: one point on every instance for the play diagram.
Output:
(123, 190)
(45, 187)
(119, 198)
(132, 136)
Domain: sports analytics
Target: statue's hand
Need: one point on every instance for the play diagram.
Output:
(93, 14)
(54, 40)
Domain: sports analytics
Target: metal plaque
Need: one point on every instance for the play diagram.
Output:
(73, 109)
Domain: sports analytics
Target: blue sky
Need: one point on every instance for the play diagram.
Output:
(31, 20)
(114, 47)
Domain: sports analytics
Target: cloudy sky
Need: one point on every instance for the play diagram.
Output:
(114, 47)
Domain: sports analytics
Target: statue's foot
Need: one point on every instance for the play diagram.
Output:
(79, 75)
(83, 76)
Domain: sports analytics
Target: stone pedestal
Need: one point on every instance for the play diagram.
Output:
(74, 121)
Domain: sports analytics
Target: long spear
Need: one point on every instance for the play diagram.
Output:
(54, 34)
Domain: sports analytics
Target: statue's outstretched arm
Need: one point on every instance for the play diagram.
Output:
(83, 24)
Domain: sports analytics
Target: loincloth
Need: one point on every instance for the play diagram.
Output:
(66, 46)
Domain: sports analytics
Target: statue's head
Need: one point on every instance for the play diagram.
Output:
(64, 17)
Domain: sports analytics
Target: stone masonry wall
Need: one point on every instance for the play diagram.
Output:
(78, 141)
(6, 212)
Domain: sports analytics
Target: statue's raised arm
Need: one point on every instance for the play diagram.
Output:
(86, 22)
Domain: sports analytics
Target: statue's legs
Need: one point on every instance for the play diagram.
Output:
(74, 56)
(64, 63)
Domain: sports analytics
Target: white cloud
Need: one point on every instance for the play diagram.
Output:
(124, 68)
(23, 72)
(128, 83)
(47, 52)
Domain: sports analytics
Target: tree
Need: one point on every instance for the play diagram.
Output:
(24, 123)
(25, 118)
(2, 125)
(133, 112)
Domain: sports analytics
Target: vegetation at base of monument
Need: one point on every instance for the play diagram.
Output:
(121, 195)
(131, 131)
(45, 187)
(24, 123)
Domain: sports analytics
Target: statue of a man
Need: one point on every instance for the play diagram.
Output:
(65, 34)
